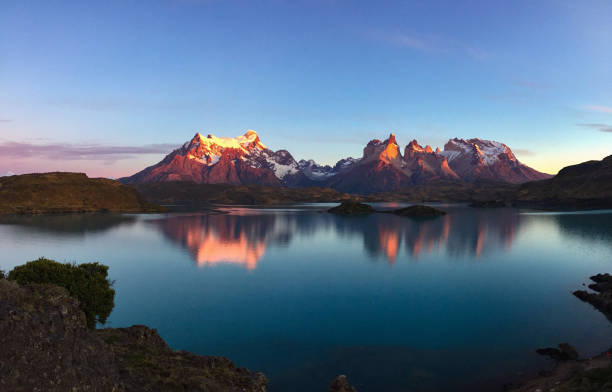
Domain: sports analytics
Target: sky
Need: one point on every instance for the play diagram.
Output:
(110, 87)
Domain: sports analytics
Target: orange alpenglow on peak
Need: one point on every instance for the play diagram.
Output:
(391, 151)
(244, 159)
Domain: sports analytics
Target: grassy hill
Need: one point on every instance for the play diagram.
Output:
(587, 185)
(68, 192)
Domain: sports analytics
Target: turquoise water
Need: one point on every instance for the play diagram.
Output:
(454, 303)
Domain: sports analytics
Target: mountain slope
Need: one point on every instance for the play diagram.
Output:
(213, 160)
(380, 169)
(484, 159)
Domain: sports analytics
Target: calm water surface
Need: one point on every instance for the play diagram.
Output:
(453, 303)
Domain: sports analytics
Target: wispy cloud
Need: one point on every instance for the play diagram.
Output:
(6, 120)
(599, 108)
(404, 40)
(523, 152)
(534, 85)
(65, 151)
(429, 43)
(598, 126)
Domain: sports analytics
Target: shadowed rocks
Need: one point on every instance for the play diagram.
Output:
(340, 384)
(565, 352)
(46, 346)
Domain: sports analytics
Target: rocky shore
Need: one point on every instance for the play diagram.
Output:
(46, 346)
(572, 373)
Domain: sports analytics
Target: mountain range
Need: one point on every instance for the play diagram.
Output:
(245, 160)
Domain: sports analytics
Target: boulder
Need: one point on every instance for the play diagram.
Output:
(340, 384)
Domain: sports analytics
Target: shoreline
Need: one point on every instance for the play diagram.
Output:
(570, 372)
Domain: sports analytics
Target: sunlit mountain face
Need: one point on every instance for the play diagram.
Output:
(243, 236)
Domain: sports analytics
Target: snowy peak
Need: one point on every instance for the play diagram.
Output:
(486, 152)
(314, 171)
(215, 145)
(245, 159)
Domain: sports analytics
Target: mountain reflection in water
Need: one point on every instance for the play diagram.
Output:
(454, 303)
(243, 236)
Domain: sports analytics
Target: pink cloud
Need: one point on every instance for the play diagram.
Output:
(600, 108)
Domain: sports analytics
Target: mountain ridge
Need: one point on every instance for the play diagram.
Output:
(245, 160)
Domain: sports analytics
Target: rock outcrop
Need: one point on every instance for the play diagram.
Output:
(46, 346)
(601, 299)
(341, 384)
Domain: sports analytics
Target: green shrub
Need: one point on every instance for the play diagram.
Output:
(86, 282)
(2, 274)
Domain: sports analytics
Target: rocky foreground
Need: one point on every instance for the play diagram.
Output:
(572, 374)
(46, 346)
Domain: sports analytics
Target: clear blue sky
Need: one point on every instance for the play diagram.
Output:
(106, 86)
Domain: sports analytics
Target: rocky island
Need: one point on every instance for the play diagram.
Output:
(418, 211)
(353, 207)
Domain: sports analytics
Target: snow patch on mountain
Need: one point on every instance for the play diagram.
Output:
(243, 142)
(283, 170)
(487, 151)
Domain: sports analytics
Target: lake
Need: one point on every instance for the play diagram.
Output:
(452, 303)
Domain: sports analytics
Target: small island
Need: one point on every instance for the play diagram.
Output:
(418, 211)
(352, 207)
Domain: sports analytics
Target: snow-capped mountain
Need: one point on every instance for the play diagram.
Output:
(211, 159)
(316, 172)
(246, 160)
(383, 168)
(485, 159)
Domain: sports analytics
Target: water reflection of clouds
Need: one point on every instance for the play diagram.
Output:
(242, 238)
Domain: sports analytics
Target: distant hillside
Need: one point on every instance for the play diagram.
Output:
(68, 192)
(190, 193)
(183, 192)
(587, 185)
